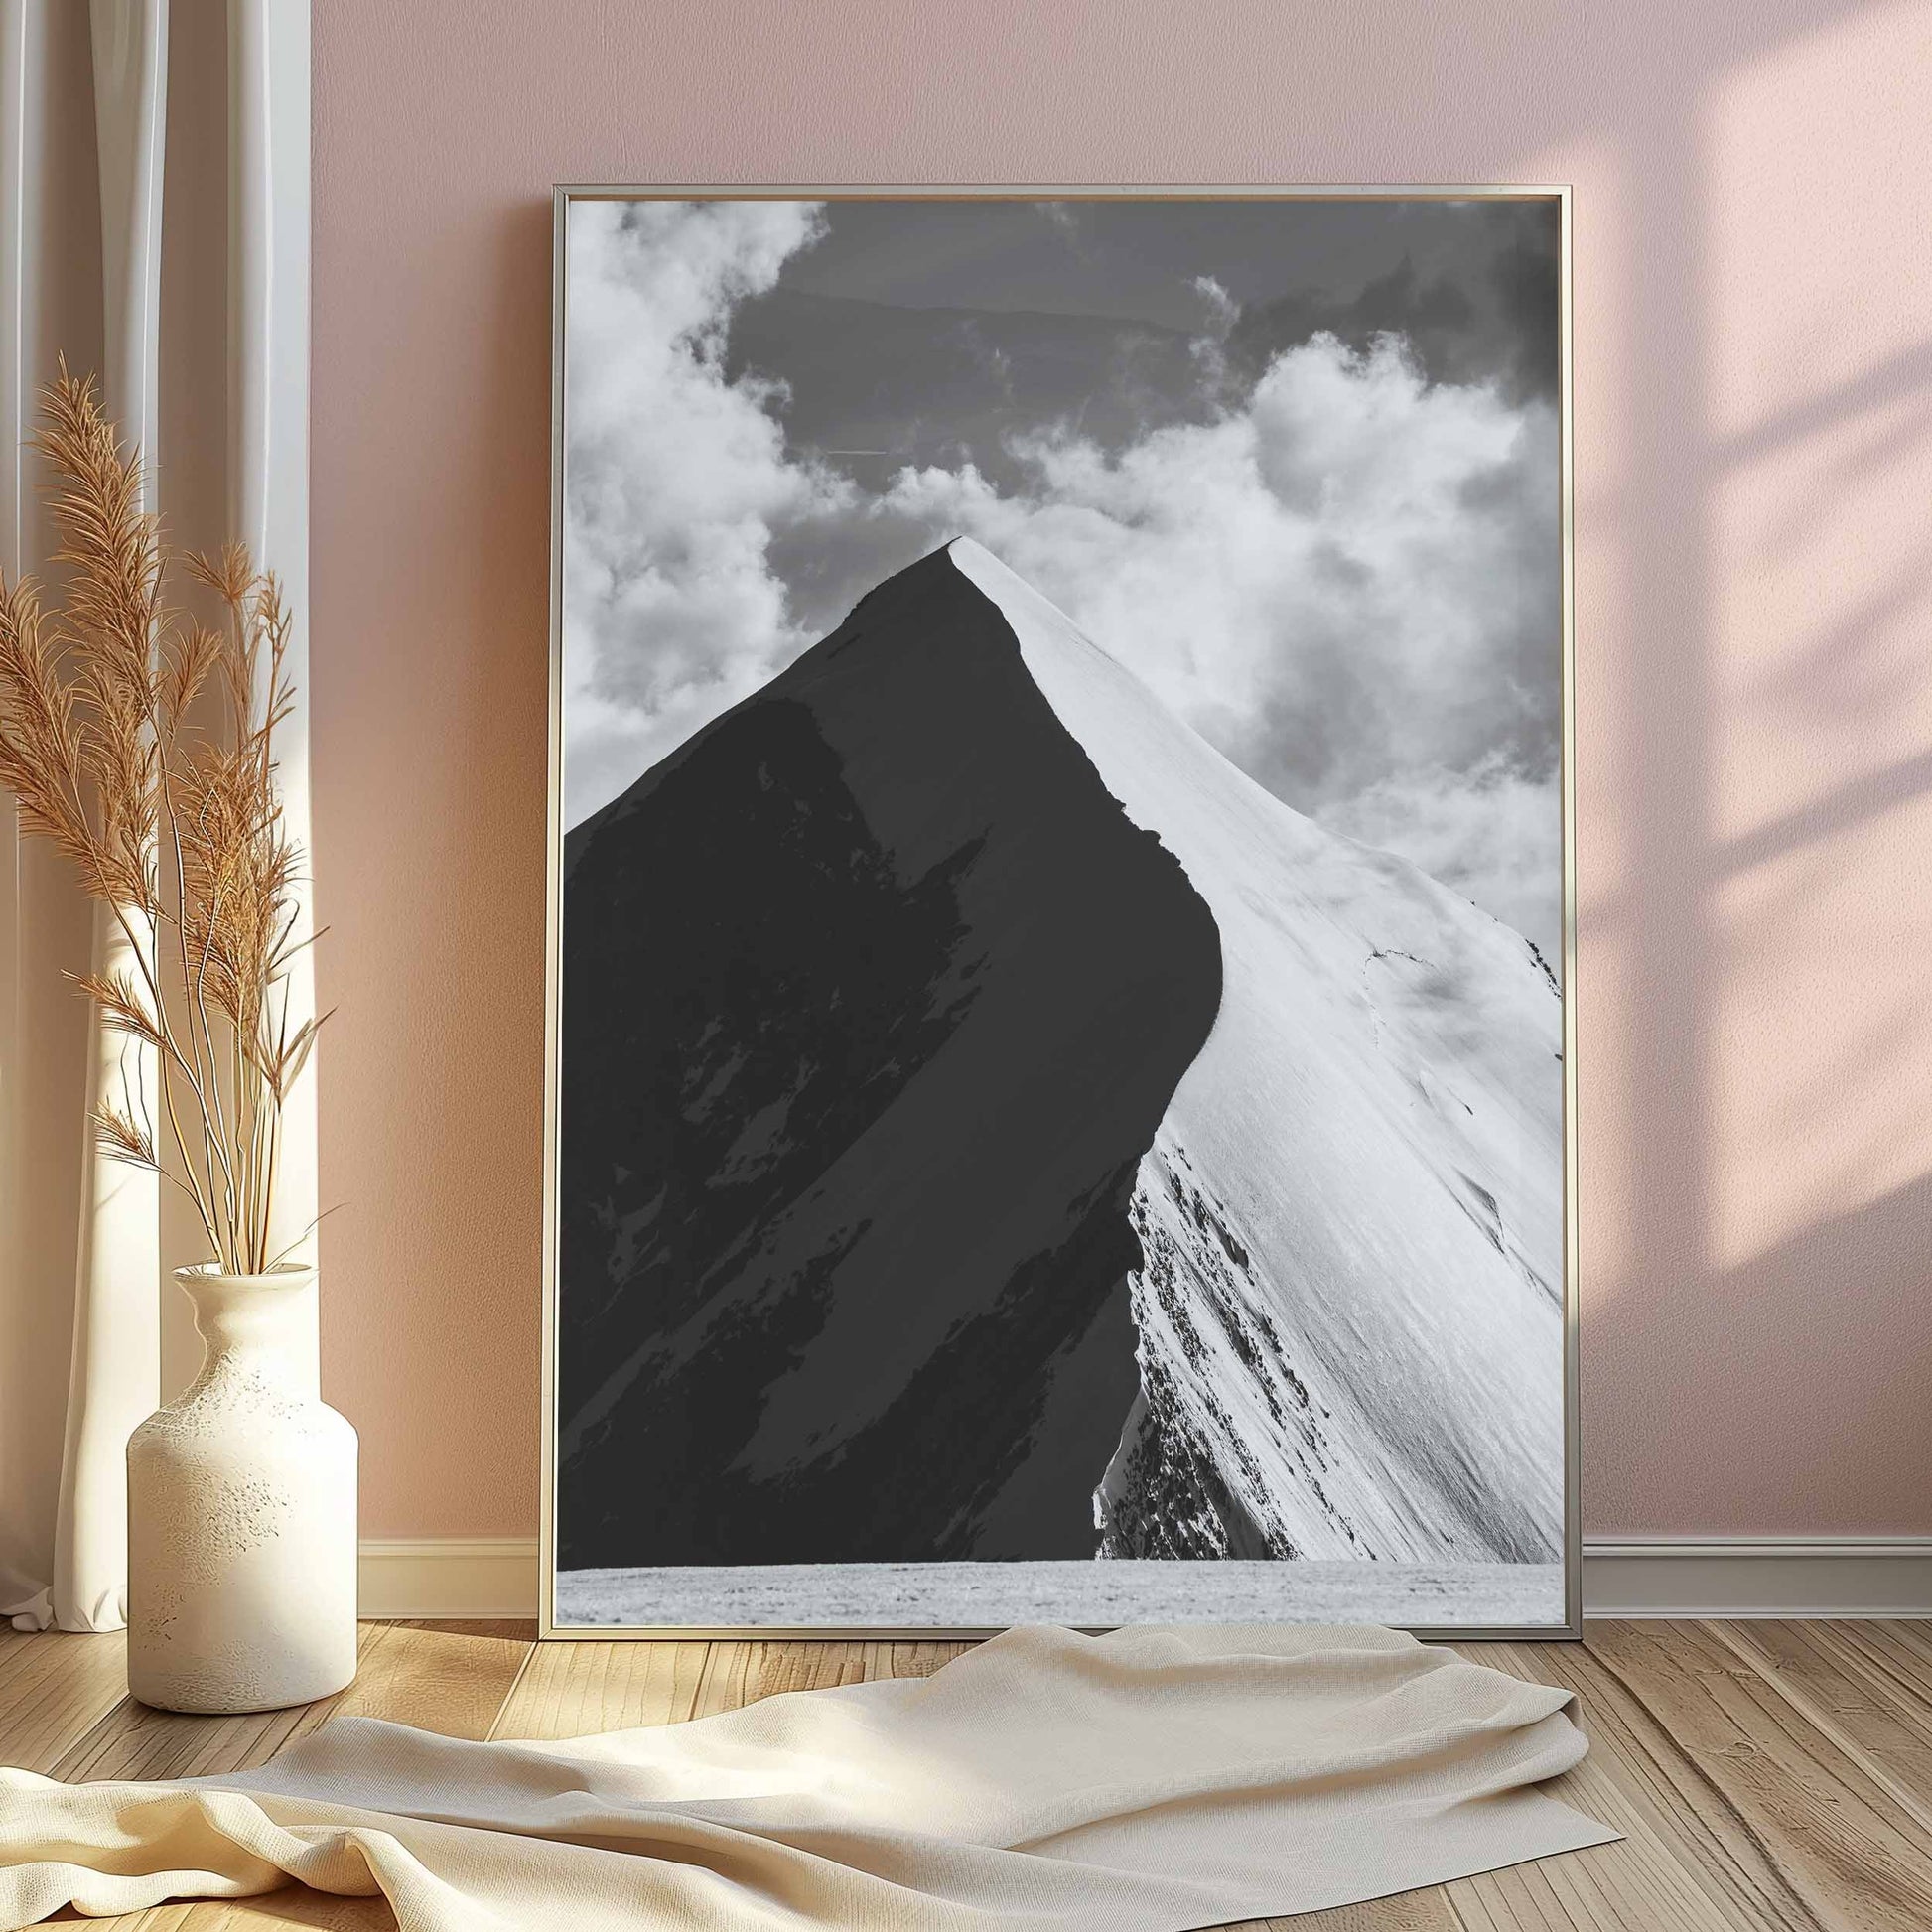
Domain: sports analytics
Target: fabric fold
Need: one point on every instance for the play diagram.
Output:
(1149, 1780)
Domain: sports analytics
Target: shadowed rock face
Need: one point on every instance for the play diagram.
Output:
(873, 1000)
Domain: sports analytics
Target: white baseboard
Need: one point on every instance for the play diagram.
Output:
(1758, 1576)
(448, 1577)
(1657, 1575)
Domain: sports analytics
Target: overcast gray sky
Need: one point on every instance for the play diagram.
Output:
(1293, 463)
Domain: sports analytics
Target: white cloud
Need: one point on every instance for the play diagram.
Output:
(1223, 311)
(1491, 834)
(1323, 582)
(1209, 351)
(676, 482)
(1347, 585)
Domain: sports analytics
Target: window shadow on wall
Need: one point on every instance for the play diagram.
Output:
(1756, 1224)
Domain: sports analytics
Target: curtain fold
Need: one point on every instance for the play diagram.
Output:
(151, 151)
(114, 1372)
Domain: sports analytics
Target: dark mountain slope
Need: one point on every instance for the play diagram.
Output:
(873, 1000)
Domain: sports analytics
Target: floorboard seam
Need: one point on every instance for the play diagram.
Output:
(1880, 1674)
(1806, 1921)
(74, 1744)
(1821, 1722)
(515, 1684)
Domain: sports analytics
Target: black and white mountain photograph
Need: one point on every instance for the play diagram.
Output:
(1059, 1047)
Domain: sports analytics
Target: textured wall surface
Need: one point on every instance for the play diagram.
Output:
(1753, 417)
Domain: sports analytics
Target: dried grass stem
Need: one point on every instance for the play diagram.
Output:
(176, 828)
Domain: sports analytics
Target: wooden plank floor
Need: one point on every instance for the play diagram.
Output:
(1768, 1777)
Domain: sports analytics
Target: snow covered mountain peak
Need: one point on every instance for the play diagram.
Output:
(994, 1127)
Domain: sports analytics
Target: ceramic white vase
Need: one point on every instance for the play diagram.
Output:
(241, 1515)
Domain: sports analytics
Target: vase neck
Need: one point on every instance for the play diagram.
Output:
(256, 1318)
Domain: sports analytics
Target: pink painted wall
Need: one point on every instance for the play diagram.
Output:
(1754, 199)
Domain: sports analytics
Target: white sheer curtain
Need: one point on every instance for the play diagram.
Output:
(154, 227)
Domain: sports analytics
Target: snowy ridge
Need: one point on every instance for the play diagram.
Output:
(1226, 1451)
(1350, 1311)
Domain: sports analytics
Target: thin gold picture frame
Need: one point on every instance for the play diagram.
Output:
(548, 1628)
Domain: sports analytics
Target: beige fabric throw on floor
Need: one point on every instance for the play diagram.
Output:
(1145, 1781)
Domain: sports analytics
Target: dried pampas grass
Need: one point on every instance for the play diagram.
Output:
(176, 828)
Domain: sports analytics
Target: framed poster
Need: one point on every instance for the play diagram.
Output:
(1060, 1084)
